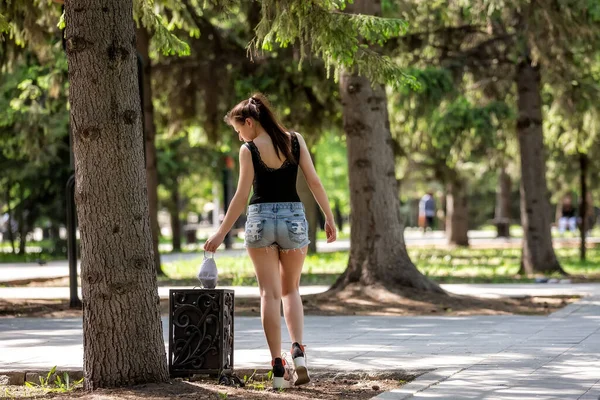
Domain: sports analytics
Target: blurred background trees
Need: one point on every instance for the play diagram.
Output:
(488, 80)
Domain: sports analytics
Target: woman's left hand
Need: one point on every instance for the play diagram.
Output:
(213, 242)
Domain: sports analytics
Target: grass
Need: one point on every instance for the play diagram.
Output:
(29, 257)
(320, 268)
(448, 266)
(516, 231)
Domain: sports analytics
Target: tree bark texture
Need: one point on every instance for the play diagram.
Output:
(11, 236)
(143, 46)
(583, 211)
(502, 211)
(175, 220)
(22, 223)
(538, 253)
(122, 331)
(457, 217)
(311, 209)
(377, 249)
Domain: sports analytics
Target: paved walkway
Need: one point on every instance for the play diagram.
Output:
(483, 357)
(479, 290)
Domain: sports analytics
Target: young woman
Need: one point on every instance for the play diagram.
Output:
(276, 227)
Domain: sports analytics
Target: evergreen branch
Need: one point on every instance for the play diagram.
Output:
(332, 35)
(168, 43)
(4, 26)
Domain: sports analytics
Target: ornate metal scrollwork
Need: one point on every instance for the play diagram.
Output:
(200, 331)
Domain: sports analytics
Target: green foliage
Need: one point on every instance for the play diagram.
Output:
(34, 147)
(167, 42)
(331, 35)
(444, 128)
(58, 385)
(461, 129)
(332, 165)
(4, 26)
(435, 85)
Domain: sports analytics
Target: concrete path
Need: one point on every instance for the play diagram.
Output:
(62, 293)
(479, 290)
(486, 357)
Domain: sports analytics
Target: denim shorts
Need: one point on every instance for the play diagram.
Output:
(276, 224)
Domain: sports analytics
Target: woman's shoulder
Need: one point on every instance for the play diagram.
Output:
(295, 134)
(246, 149)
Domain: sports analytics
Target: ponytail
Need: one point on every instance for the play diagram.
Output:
(258, 108)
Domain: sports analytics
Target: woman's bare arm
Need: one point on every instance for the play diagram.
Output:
(238, 203)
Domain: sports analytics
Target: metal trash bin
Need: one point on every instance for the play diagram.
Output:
(201, 327)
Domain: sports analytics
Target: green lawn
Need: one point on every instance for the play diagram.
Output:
(458, 265)
(516, 231)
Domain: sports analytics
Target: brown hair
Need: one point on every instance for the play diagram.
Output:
(258, 108)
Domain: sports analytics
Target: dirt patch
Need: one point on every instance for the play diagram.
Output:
(320, 388)
(375, 300)
(354, 300)
(37, 308)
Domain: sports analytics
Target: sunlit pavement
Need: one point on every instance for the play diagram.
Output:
(469, 289)
(487, 357)
(479, 357)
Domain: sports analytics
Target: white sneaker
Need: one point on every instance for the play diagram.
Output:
(282, 374)
(299, 357)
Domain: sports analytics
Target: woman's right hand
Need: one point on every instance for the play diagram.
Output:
(330, 231)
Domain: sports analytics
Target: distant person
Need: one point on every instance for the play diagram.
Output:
(427, 211)
(568, 215)
(276, 229)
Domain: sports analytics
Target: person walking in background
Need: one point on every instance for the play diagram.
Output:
(427, 211)
(276, 227)
(568, 215)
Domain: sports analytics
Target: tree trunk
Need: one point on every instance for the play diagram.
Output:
(339, 218)
(444, 212)
(311, 208)
(143, 45)
(538, 253)
(21, 223)
(583, 212)
(11, 236)
(175, 220)
(122, 330)
(457, 217)
(502, 212)
(377, 248)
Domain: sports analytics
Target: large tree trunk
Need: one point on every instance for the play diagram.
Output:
(502, 211)
(538, 253)
(175, 220)
(143, 46)
(377, 248)
(122, 331)
(457, 217)
(583, 211)
(11, 236)
(311, 209)
(21, 223)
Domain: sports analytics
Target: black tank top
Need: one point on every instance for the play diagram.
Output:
(275, 185)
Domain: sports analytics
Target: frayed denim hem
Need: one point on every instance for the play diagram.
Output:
(275, 246)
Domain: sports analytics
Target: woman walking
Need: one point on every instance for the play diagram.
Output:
(276, 228)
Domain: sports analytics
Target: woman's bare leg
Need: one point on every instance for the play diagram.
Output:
(291, 263)
(266, 266)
